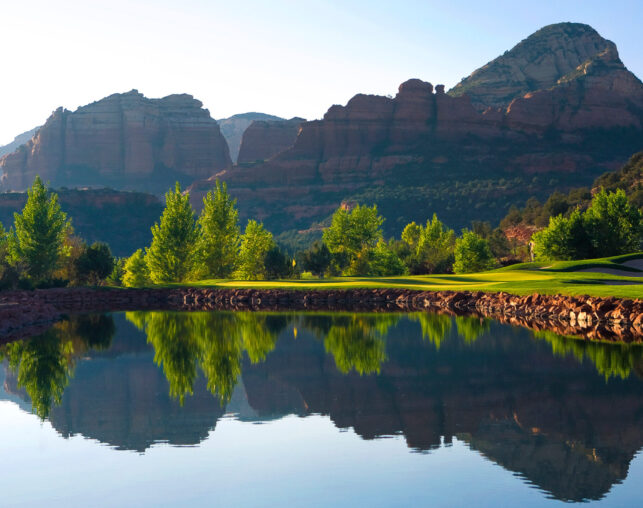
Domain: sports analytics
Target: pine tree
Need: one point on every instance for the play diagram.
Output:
(218, 244)
(170, 257)
(38, 241)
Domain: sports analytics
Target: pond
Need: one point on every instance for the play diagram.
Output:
(317, 409)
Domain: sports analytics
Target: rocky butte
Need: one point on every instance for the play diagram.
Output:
(126, 141)
(557, 110)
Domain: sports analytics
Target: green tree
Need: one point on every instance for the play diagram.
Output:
(613, 224)
(411, 234)
(218, 243)
(316, 259)
(95, 263)
(351, 236)
(38, 241)
(278, 265)
(170, 257)
(431, 246)
(385, 260)
(137, 274)
(472, 254)
(565, 238)
(255, 244)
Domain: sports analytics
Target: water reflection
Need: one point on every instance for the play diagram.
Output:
(564, 414)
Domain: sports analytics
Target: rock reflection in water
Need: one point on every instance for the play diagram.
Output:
(564, 414)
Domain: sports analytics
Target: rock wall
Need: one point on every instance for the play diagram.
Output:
(594, 318)
(125, 141)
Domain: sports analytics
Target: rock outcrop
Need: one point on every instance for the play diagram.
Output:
(263, 139)
(126, 141)
(233, 128)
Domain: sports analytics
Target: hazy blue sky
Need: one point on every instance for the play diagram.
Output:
(278, 56)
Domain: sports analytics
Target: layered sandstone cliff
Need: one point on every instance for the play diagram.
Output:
(124, 140)
(264, 139)
(573, 111)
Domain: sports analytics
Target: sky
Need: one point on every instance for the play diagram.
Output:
(282, 57)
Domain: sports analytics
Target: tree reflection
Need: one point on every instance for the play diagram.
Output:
(212, 342)
(44, 364)
(356, 341)
(610, 360)
(470, 328)
(435, 327)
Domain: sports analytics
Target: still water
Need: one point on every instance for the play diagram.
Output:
(313, 409)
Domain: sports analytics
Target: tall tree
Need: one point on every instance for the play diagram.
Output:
(170, 257)
(38, 241)
(472, 254)
(255, 244)
(218, 244)
(352, 235)
(613, 224)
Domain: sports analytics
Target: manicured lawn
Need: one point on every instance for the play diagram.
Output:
(526, 278)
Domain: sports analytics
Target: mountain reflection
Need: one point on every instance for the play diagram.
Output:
(565, 414)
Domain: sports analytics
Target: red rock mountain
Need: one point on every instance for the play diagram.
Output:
(264, 139)
(125, 141)
(557, 110)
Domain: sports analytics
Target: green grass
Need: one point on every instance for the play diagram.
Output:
(526, 278)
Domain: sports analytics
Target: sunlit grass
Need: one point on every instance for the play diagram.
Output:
(527, 278)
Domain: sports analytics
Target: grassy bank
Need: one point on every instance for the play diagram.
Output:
(526, 278)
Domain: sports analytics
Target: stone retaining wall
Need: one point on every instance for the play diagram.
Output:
(592, 317)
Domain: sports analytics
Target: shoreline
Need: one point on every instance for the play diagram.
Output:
(25, 313)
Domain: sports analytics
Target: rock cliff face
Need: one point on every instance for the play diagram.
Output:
(572, 112)
(263, 139)
(124, 140)
(233, 128)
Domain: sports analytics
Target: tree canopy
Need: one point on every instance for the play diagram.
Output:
(171, 255)
(472, 254)
(218, 241)
(38, 240)
(255, 244)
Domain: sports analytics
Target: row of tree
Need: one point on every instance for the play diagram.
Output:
(42, 250)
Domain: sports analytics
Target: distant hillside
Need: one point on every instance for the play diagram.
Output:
(122, 219)
(19, 140)
(536, 215)
(233, 128)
